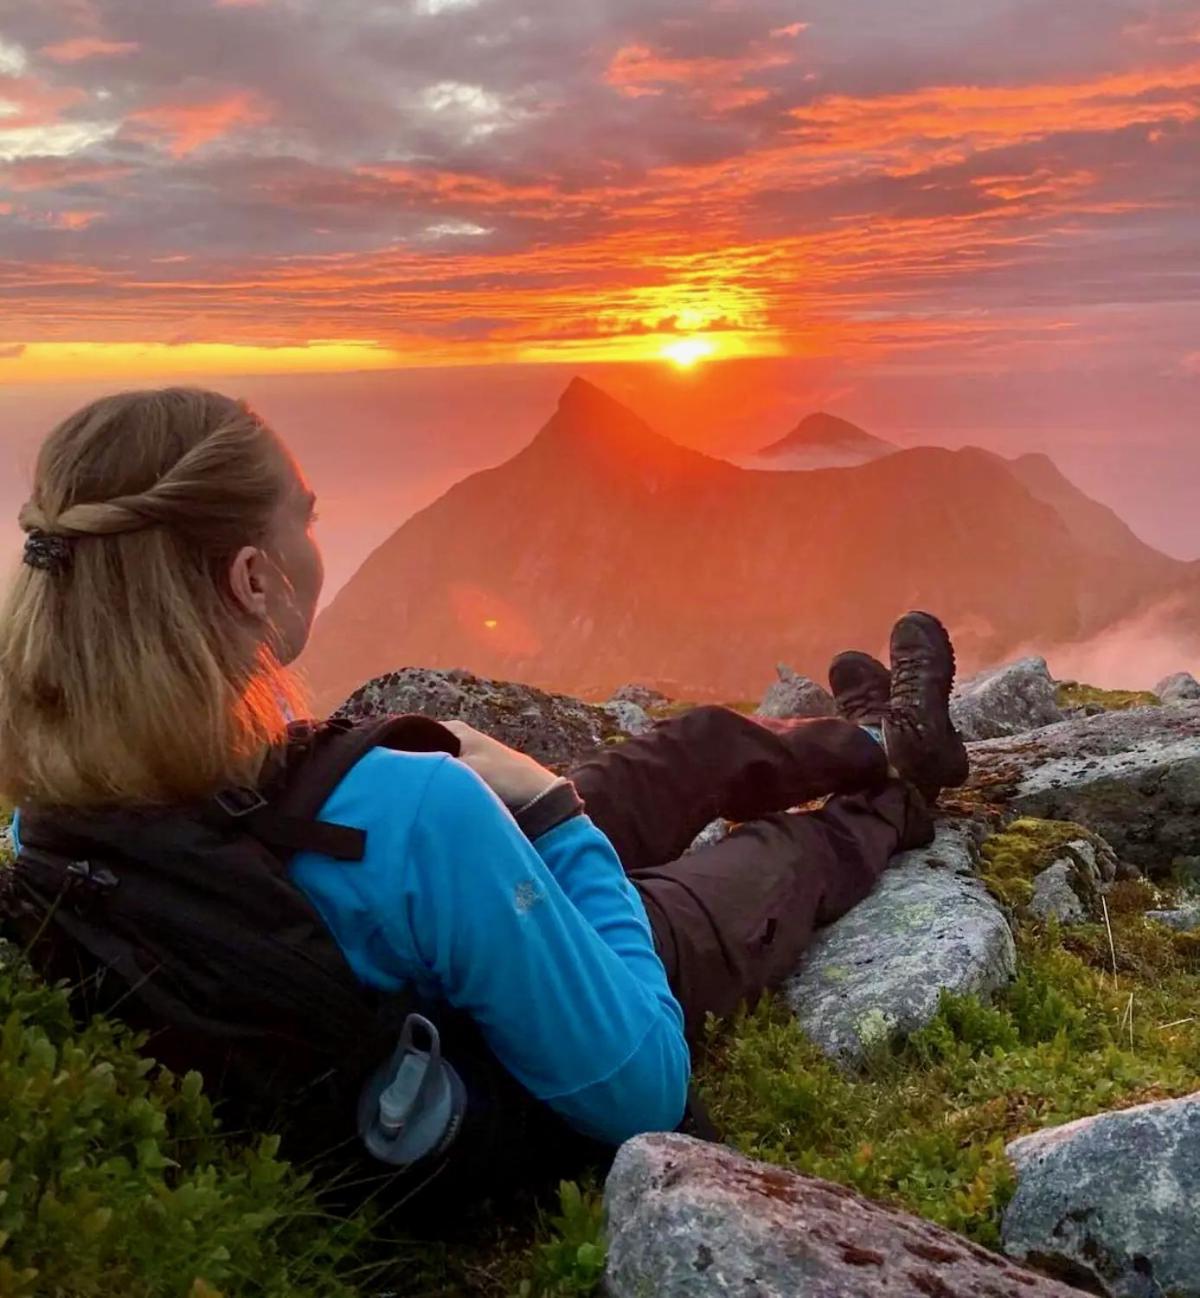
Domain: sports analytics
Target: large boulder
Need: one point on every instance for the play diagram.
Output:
(793, 695)
(878, 972)
(1112, 1202)
(1007, 700)
(690, 1220)
(1132, 777)
(1183, 687)
(553, 728)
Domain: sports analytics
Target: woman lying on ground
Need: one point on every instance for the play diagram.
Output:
(184, 866)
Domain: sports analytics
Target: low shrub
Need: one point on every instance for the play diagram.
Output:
(117, 1180)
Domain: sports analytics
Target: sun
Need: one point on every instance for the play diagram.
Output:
(687, 351)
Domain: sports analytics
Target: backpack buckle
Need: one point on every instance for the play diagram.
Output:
(95, 878)
(240, 801)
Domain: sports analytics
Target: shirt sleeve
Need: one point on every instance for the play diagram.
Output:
(566, 988)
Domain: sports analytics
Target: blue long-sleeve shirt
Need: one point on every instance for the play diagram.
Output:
(546, 945)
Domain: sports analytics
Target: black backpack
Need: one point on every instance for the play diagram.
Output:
(183, 922)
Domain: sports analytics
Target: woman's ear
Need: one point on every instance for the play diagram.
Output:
(247, 581)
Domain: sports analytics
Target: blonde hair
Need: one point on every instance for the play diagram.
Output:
(131, 674)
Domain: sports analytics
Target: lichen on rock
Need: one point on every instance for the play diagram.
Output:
(877, 973)
(1113, 1200)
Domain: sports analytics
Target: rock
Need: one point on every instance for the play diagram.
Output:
(1183, 919)
(1133, 777)
(690, 1220)
(877, 973)
(553, 728)
(793, 695)
(1008, 700)
(1111, 1202)
(1054, 895)
(1096, 858)
(632, 718)
(712, 833)
(1068, 890)
(645, 696)
(1183, 687)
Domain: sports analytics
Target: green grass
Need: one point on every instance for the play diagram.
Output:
(1072, 694)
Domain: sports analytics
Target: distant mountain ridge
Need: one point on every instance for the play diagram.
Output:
(603, 552)
(820, 441)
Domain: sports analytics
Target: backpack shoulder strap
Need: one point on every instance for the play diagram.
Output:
(320, 756)
(303, 773)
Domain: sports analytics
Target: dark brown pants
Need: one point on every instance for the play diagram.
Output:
(731, 920)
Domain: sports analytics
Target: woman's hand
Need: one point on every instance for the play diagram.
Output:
(514, 777)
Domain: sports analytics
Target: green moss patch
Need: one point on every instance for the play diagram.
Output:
(1072, 694)
(1015, 856)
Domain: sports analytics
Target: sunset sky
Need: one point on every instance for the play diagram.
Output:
(904, 201)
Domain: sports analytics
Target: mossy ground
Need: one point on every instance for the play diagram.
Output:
(1013, 858)
(1072, 694)
(113, 1180)
(676, 707)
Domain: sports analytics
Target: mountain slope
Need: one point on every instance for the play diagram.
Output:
(603, 552)
(1095, 526)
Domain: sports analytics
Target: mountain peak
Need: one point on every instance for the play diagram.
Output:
(585, 410)
(822, 431)
(592, 427)
(580, 393)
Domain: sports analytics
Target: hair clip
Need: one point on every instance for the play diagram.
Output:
(51, 551)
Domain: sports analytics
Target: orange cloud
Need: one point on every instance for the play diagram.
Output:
(1037, 184)
(465, 187)
(87, 47)
(74, 219)
(187, 126)
(27, 102)
(638, 70)
(950, 122)
(54, 173)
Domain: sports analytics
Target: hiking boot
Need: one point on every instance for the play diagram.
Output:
(920, 738)
(861, 687)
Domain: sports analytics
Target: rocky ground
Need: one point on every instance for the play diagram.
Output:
(983, 1081)
(1061, 874)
